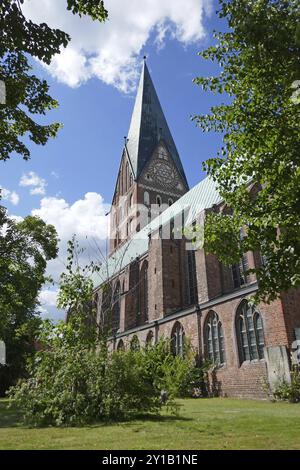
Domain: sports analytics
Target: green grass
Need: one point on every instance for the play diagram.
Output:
(201, 424)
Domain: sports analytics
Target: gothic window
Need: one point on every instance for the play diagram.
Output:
(146, 198)
(192, 279)
(170, 201)
(162, 154)
(121, 346)
(177, 339)
(158, 200)
(130, 225)
(172, 228)
(130, 200)
(250, 333)
(164, 173)
(150, 339)
(239, 272)
(214, 339)
(134, 343)
(144, 292)
(105, 306)
(126, 177)
(116, 308)
(134, 293)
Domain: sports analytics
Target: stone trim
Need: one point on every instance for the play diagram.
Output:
(158, 189)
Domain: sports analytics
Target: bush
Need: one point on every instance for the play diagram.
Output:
(70, 383)
(289, 391)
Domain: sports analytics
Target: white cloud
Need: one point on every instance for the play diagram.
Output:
(32, 179)
(16, 218)
(110, 51)
(48, 297)
(47, 308)
(10, 196)
(85, 218)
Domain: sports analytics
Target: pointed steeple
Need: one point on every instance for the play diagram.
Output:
(147, 127)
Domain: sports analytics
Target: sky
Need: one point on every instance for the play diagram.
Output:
(69, 182)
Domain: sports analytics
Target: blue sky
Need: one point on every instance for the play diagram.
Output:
(85, 156)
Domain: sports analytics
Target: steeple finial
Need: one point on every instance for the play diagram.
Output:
(145, 58)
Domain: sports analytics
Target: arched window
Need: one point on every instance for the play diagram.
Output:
(239, 272)
(158, 200)
(191, 278)
(150, 339)
(250, 333)
(177, 339)
(214, 339)
(115, 323)
(146, 198)
(133, 311)
(105, 318)
(131, 225)
(170, 201)
(126, 177)
(144, 292)
(134, 344)
(121, 346)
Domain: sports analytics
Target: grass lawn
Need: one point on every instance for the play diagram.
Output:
(214, 423)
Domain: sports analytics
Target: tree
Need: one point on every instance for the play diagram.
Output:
(25, 248)
(260, 58)
(26, 94)
(77, 292)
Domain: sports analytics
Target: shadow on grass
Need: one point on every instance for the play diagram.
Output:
(10, 417)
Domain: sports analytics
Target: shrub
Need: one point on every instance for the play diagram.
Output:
(289, 391)
(71, 383)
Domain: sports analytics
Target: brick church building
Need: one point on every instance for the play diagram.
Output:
(158, 283)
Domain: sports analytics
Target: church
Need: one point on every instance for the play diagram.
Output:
(159, 282)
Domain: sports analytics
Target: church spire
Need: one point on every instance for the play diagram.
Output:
(147, 127)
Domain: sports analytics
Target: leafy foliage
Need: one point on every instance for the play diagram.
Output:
(76, 293)
(25, 247)
(259, 54)
(26, 94)
(289, 391)
(71, 382)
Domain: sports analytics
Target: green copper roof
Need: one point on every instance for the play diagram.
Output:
(202, 196)
(148, 125)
